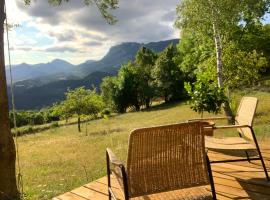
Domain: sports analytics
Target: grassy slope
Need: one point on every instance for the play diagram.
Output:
(58, 160)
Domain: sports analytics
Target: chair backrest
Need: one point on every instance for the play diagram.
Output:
(245, 115)
(166, 158)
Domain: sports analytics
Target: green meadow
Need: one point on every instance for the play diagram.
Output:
(60, 159)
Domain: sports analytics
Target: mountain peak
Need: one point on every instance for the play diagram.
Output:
(59, 61)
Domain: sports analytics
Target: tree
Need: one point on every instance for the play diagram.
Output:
(109, 92)
(82, 102)
(8, 186)
(219, 19)
(167, 75)
(145, 61)
(205, 95)
(128, 84)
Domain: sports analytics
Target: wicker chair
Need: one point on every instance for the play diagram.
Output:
(165, 162)
(247, 141)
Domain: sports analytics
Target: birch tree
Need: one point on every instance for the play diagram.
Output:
(218, 19)
(8, 185)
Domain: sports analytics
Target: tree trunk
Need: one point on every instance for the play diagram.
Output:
(226, 105)
(79, 123)
(219, 56)
(147, 103)
(8, 186)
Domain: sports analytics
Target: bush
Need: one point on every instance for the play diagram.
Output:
(54, 125)
(205, 96)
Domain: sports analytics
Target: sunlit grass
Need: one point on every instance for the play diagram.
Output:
(61, 159)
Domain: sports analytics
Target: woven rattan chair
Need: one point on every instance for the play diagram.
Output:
(247, 141)
(165, 162)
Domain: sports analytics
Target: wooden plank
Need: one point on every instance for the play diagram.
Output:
(89, 194)
(102, 188)
(70, 196)
(228, 192)
(246, 178)
(222, 180)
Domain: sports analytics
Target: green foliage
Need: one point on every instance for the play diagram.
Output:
(241, 68)
(81, 101)
(205, 95)
(128, 83)
(167, 75)
(149, 76)
(109, 92)
(145, 61)
(191, 52)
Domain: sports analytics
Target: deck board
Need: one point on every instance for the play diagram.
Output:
(240, 180)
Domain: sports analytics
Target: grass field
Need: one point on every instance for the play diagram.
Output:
(58, 160)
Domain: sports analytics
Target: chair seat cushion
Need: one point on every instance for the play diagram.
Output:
(198, 193)
(229, 143)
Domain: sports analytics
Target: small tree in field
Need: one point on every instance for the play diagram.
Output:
(82, 102)
(205, 95)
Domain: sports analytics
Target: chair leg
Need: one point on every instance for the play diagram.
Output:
(263, 165)
(211, 178)
(108, 175)
(260, 154)
(247, 156)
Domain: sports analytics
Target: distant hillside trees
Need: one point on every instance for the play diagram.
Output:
(150, 76)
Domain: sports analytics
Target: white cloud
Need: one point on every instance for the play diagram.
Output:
(84, 33)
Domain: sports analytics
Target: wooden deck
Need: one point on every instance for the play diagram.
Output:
(241, 180)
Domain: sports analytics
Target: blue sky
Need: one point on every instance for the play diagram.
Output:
(76, 33)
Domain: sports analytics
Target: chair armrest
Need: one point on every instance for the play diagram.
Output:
(208, 118)
(232, 126)
(113, 159)
(118, 170)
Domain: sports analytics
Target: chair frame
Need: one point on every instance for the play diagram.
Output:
(248, 158)
(111, 159)
(253, 137)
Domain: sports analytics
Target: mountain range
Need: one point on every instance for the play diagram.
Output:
(41, 85)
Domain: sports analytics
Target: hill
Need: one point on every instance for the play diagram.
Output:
(46, 90)
(57, 68)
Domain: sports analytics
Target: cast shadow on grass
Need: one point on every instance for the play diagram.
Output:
(163, 106)
(104, 132)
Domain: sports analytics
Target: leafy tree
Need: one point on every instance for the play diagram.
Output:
(205, 95)
(128, 83)
(62, 110)
(145, 61)
(82, 102)
(8, 186)
(256, 37)
(167, 75)
(191, 52)
(219, 20)
(109, 92)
